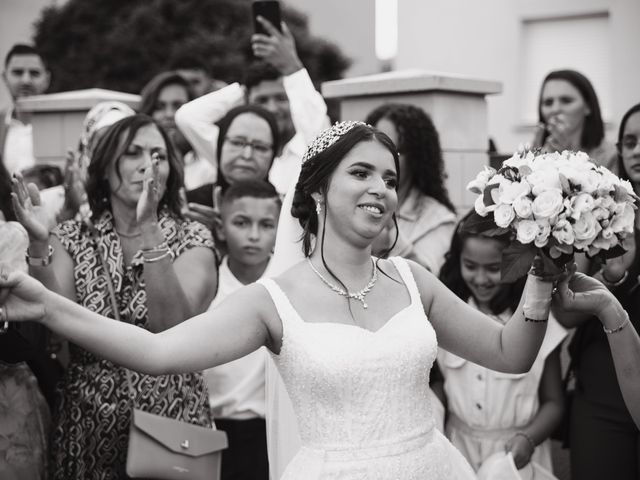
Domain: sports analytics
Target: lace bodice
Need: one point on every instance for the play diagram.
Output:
(360, 395)
(340, 376)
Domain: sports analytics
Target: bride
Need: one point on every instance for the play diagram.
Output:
(353, 336)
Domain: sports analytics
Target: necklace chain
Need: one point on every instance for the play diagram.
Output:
(341, 291)
(129, 235)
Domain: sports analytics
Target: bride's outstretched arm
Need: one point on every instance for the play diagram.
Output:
(468, 333)
(237, 327)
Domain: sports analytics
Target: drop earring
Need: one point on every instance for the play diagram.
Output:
(318, 208)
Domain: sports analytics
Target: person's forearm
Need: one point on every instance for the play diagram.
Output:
(196, 119)
(308, 108)
(167, 303)
(545, 422)
(45, 274)
(521, 337)
(122, 343)
(625, 350)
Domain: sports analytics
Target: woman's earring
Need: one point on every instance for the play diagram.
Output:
(318, 208)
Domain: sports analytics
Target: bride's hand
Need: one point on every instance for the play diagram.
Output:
(581, 293)
(21, 296)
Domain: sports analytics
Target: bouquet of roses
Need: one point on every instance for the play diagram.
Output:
(552, 205)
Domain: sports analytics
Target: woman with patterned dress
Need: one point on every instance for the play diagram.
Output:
(354, 337)
(163, 270)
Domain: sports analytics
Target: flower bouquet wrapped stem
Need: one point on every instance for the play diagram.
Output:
(553, 205)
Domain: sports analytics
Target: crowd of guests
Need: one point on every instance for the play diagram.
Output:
(163, 212)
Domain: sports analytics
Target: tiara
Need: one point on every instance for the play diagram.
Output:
(328, 137)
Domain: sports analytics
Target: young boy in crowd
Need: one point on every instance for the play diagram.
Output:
(249, 213)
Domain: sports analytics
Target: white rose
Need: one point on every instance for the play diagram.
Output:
(527, 231)
(586, 228)
(543, 234)
(543, 180)
(523, 207)
(623, 221)
(583, 202)
(510, 191)
(503, 215)
(563, 232)
(548, 204)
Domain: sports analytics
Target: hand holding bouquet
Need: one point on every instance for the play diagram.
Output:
(554, 205)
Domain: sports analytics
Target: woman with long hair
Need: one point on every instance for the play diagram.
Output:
(135, 260)
(426, 216)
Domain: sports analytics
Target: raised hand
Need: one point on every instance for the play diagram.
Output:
(29, 211)
(559, 135)
(21, 296)
(147, 208)
(74, 178)
(277, 48)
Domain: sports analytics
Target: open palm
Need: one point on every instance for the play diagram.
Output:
(29, 211)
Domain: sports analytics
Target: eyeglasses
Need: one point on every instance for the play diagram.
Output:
(239, 143)
(629, 142)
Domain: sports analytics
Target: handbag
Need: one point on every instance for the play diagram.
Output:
(168, 449)
(163, 448)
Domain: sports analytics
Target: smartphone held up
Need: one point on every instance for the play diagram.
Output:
(269, 10)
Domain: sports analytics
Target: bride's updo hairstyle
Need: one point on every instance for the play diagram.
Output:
(320, 161)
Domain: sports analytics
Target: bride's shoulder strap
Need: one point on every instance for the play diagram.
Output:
(279, 298)
(406, 274)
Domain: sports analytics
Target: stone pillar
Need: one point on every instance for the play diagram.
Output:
(57, 119)
(456, 104)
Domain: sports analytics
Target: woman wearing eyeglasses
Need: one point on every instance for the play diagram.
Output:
(247, 144)
(603, 436)
(135, 260)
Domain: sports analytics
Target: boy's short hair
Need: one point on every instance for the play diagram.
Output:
(253, 189)
(21, 49)
(259, 71)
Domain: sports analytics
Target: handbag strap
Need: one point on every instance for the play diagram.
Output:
(114, 305)
(113, 300)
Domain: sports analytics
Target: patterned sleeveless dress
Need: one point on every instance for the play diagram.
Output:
(91, 422)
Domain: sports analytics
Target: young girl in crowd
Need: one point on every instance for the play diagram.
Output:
(490, 411)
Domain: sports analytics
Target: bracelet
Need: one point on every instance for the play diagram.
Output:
(40, 261)
(166, 253)
(527, 438)
(617, 283)
(610, 331)
(533, 320)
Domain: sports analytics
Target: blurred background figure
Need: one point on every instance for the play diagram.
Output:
(600, 423)
(426, 216)
(161, 98)
(24, 74)
(197, 73)
(570, 118)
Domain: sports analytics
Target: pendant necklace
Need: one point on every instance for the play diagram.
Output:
(341, 291)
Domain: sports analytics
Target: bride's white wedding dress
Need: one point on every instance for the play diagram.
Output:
(362, 399)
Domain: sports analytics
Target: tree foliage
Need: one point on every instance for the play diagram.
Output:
(121, 44)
